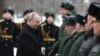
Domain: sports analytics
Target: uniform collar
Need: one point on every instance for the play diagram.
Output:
(89, 34)
(74, 34)
(50, 24)
(97, 39)
(8, 20)
(82, 32)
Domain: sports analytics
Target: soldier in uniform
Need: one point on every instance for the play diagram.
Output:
(65, 10)
(95, 51)
(49, 31)
(80, 28)
(89, 39)
(70, 23)
(20, 25)
(70, 28)
(8, 35)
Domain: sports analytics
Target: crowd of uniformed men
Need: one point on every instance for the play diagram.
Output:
(78, 35)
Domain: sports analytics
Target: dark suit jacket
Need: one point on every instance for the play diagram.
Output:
(28, 43)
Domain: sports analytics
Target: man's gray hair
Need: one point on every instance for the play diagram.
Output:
(31, 15)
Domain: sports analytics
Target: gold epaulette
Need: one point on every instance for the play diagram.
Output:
(7, 36)
(49, 39)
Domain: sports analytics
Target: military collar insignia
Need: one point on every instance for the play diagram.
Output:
(75, 35)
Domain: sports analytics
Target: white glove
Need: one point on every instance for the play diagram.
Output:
(43, 50)
(56, 54)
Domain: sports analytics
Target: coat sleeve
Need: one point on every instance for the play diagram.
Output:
(75, 47)
(57, 33)
(54, 48)
(28, 45)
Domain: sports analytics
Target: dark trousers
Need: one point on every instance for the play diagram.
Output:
(48, 46)
(6, 47)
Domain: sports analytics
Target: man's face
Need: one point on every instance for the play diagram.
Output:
(35, 22)
(88, 25)
(69, 29)
(77, 26)
(89, 19)
(96, 28)
(50, 20)
(7, 16)
(64, 11)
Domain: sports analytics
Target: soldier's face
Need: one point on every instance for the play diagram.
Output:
(87, 27)
(89, 19)
(50, 20)
(96, 28)
(69, 29)
(89, 23)
(7, 16)
(64, 11)
(78, 26)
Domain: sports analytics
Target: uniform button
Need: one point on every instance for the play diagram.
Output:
(6, 39)
(7, 28)
(7, 23)
(5, 44)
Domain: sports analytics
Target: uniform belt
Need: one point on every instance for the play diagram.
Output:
(7, 36)
(49, 39)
